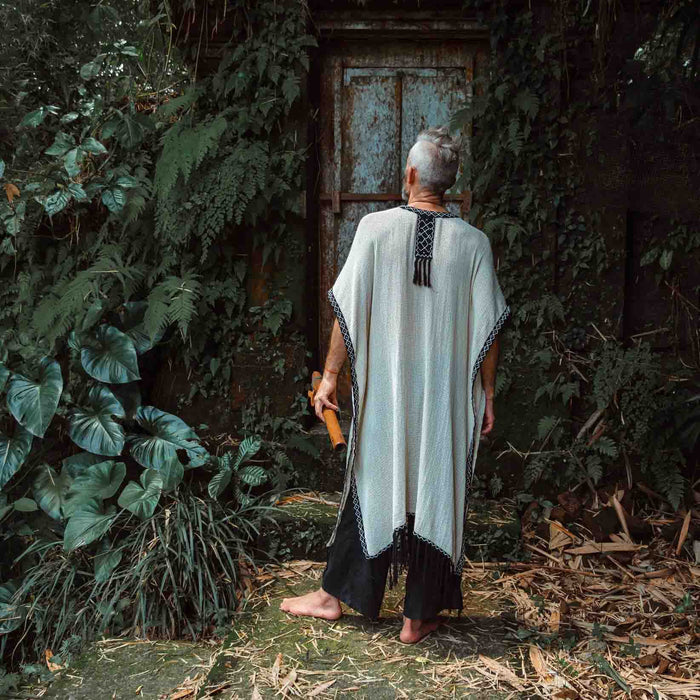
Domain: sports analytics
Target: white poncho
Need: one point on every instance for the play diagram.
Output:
(419, 304)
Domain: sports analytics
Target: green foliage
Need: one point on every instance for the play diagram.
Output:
(142, 499)
(537, 147)
(134, 195)
(162, 576)
(88, 522)
(93, 428)
(166, 434)
(228, 468)
(13, 452)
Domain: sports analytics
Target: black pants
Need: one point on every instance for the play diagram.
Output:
(359, 582)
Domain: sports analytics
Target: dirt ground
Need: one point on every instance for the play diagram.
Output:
(580, 619)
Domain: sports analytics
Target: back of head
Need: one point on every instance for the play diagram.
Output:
(435, 155)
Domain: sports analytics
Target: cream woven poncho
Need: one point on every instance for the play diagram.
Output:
(419, 304)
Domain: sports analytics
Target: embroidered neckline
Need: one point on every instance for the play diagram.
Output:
(429, 212)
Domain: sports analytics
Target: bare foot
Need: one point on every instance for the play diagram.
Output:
(317, 604)
(414, 630)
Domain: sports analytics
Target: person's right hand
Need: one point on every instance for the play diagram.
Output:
(489, 417)
(325, 397)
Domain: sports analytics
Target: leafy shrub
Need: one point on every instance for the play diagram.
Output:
(173, 574)
(636, 418)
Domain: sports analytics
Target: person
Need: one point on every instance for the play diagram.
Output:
(418, 309)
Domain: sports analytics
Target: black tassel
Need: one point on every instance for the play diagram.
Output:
(421, 271)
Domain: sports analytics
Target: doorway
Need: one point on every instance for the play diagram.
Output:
(377, 91)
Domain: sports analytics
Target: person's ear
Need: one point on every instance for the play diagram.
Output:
(410, 174)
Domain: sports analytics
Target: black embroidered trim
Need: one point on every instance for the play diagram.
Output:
(477, 428)
(425, 235)
(355, 401)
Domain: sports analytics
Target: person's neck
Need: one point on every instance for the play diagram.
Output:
(432, 202)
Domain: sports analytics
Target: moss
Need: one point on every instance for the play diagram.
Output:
(364, 658)
(119, 668)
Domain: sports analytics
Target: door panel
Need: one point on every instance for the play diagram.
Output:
(375, 98)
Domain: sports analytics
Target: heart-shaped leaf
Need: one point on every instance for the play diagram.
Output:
(13, 452)
(142, 500)
(172, 474)
(34, 403)
(78, 463)
(93, 427)
(167, 434)
(99, 481)
(113, 359)
(51, 490)
(87, 524)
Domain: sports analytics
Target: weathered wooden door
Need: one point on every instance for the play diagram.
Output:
(375, 98)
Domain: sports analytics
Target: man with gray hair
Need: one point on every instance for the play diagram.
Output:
(422, 349)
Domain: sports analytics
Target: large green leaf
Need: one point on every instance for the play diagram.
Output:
(167, 434)
(113, 359)
(51, 490)
(142, 500)
(87, 524)
(93, 427)
(13, 452)
(99, 481)
(34, 403)
(78, 463)
(172, 474)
